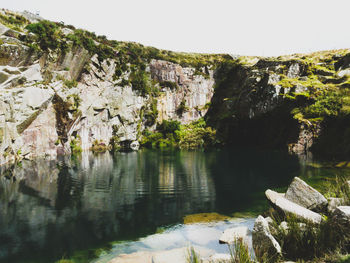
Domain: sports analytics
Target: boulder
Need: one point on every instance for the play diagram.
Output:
(333, 203)
(341, 215)
(135, 145)
(288, 207)
(264, 244)
(302, 194)
(230, 235)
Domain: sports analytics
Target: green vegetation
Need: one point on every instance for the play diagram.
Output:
(182, 107)
(240, 252)
(196, 135)
(140, 82)
(192, 256)
(13, 21)
(75, 146)
(48, 35)
(99, 147)
(70, 83)
(168, 84)
(302, 240)
(173, 134)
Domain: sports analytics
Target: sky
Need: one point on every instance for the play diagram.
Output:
(245, 27)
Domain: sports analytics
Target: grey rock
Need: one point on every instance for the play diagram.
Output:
(264, 244)
(342, 216)
(302, 194)
(134, 146)
(288, 207)
(333, 203)
(293, 71)
(344, 72)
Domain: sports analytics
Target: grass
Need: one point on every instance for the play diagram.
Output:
(192, 256)
(304, 241)
(240, 252)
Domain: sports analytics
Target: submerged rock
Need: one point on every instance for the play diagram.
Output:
(230, 235)
(302, 194)
(264, 244)
(288, 207)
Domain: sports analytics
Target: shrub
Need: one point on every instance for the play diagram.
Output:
(181, 108)
(168, 84)
(167, 127)
(47, 33)
(139, 81)
(327, 105)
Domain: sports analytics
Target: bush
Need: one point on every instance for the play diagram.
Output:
(139, 81)
(47, 33)
(181, 108)
(325, 106)
(168, 84)
(167, 127)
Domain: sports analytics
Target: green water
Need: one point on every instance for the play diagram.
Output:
(67, 208)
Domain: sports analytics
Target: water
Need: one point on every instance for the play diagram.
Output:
(51, 210)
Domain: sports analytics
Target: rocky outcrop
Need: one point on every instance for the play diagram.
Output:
(264, 244)
(302, 194)
(288, 207)
(96, 109)
(188, 90)
(109, 93)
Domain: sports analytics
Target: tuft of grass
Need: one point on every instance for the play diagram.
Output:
(240, 252)
(192, 256)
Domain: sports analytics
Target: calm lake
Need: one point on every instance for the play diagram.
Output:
(125, 202)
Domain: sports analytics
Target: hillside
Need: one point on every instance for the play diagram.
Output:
(64, 90)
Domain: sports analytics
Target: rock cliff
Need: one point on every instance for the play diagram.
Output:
(64, 89)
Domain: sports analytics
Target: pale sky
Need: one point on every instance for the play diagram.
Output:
(245, 27)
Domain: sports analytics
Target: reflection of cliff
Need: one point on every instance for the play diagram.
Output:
(53, 208)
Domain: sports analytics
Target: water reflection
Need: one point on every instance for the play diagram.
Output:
(54, 208)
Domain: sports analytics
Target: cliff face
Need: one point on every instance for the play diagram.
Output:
(68, 90)
(52, 102)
